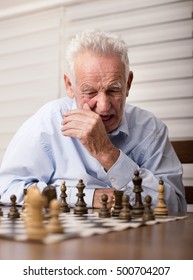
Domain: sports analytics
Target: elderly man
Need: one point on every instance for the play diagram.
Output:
(93, 134)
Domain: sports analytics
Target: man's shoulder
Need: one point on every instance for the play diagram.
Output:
(57, 105)
(139, 116)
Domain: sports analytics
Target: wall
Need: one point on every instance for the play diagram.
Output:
(33, 37)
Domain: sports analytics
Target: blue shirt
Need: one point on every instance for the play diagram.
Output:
(40, 154)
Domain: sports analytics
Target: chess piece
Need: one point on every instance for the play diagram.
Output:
(48, 193)
(35, 228)
(1, 211)
(118, 203)
(64, 208)
(25, 207)
(104, 212)
(125, 213)
(80, 206)
(13, 212)
(24, 200)
(138, 207)
(148, 214)
(161, 209)
(54, 225)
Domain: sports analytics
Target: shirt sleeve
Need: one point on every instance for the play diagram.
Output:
(23, 167)
(156, 161)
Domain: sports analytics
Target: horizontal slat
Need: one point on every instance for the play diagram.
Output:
(44, 87)
(189, 208)
(160, 52)
(166, 109)
(157, 33)
(163, 70)
(134, 18)
(180, 128)
(29, 57)
(30, 73)
(188, 173)
(27, 24)
(29, 42)
(97, 9)
(161, 90)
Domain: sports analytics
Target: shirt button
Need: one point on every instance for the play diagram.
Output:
(112, 179)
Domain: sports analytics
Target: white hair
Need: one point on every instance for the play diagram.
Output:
(99, 42)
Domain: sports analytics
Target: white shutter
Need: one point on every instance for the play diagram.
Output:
(29, 68)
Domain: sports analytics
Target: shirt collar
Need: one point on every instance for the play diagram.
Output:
(122, 127)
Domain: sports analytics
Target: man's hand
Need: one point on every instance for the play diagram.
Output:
(87, 126)
(97, 197)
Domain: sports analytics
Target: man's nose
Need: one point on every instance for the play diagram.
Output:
(103, 102)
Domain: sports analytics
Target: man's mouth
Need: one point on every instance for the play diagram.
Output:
(106, 118)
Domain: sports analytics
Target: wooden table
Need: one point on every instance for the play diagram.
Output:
(171, 241)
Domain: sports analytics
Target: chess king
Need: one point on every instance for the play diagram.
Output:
(93, 134)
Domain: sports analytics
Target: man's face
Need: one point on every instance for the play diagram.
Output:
(100, 82)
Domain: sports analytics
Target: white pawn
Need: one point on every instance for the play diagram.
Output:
(54, 225)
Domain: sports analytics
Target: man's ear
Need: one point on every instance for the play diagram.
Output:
(68, 85)
(129, 81)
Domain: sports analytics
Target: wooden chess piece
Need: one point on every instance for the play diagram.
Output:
(125, 213)
(13, 212)
(80, 207)
(54, 225)
(35, 228)
(104, 212)
(148, 214)
(138, 207)
(161, 209)
(1, 211)
(118, 203)
(48, 193)
(64, 208)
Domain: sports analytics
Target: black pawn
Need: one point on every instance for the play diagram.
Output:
(80, 206)
(13, 212)
(125, 213)
(138, 207)
(148, 214)
(104, 212)
(64, 208)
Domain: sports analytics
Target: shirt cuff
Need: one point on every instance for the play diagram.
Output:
(122, 172)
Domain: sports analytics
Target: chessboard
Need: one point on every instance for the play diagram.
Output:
(75, 226)
(46, 219)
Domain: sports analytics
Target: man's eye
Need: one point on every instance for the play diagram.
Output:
(90, 94)
(114, 91)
